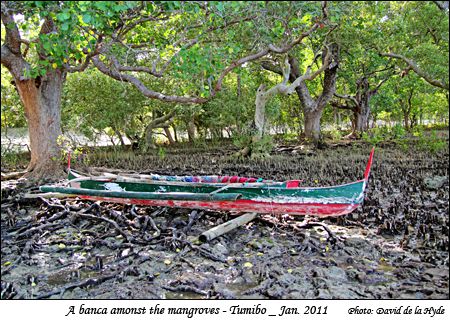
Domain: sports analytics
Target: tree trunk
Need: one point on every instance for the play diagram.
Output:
(239, 87)
(169, 135)
(406, 120)
(175, 134)
(149, 136)
(312, 124)
(362, 110)
(374, 121)
(413, 121)
(41, 98)
(313, 108)
(411, 116)
(362, 114)
(159, 122)
(335, 117)
(119, 136)
(260, 112)
(259, 122)
(191, 129)
(420, 115)
(361, 121)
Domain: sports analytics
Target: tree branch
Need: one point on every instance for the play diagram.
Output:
(118, 71)
(7, 56)
(308, 75)
(335, 104)
(260, 54)
(11, 56)
(302, 90)
(270, 48)
(187, 45)
(115, 74)
(417, 70)
(89, 56)
(373, 91)
(442, 5)
(162, 119)
(120, 67)
(347, 97)
(12, 37)
(129, 27)
(285, 89)
(270, 66)
(379, 70)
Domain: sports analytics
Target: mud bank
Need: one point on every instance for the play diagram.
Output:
(395, 246)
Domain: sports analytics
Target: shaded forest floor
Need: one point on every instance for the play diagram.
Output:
(395, 246)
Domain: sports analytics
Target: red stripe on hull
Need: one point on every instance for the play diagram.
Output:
(316, 209)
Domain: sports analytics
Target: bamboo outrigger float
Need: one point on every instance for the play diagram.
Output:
(218, 193)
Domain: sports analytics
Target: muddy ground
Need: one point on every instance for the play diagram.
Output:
(395, 246)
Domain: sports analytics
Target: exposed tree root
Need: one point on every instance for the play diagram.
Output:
(81, 284)
(186, 288)
(47, 172)
(13, 175)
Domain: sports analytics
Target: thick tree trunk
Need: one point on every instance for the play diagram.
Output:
(313, 108)
(360, 105)
(362, 110)
(312, 124)
(41, 98)
(361, 121)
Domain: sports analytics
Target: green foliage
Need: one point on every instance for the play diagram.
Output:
(79, 24)
(430, 142)
(68, 148)
(161, 153)
(203, 62)
(242, 140)
(12, 114)
(397, 131)
(13, 158)
(336, 134)
(259, 147)
(384, 134)
(229, 109)
(421, 139)
(93, 102)
(419, 30)
(263, 146)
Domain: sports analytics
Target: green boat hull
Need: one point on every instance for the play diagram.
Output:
(262, 197)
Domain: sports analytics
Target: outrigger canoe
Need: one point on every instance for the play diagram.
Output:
(236, 194)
